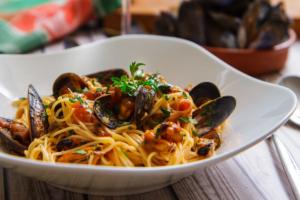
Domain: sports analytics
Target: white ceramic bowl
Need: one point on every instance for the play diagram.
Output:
(261, 107)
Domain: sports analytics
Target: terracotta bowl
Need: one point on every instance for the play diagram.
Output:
(256, 62)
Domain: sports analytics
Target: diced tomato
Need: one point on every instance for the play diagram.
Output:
(81, 113)
(149, 136)
(92, 95)
(184, 105)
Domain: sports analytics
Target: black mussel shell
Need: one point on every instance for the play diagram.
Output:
(213, 135)
(191, 25)
(37, 113)
(104, 77)
(203, 92)
(143, 104)
(66, 82)
(10, 143)
(213, 113)
(166, 24)
(106, 111)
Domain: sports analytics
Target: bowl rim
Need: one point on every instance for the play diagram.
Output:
(9, 158)
(281, 46)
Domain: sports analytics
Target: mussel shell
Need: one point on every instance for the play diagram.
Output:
(10, 143)
(227, 22)
(143, 104)
(67, 81)
(191, 23)
(204, 91)
(37, 113)
(104, 111)
(104, 77)
(166, 24)
(213, 113)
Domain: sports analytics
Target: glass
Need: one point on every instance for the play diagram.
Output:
(126, 17)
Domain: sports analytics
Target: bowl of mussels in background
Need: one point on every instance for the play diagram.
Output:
(254, 36)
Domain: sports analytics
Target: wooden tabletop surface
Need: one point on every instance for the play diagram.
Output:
(256, 173)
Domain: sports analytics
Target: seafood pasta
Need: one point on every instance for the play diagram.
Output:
(115, 119)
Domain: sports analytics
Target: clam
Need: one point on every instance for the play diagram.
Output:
(213, 113)
(203, 92)
(66, 82)
(104, 77)
(37, 113)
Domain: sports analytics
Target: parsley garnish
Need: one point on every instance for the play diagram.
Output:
(134, 69)
(22, 98)
(166, 97)
(46, 106)
(187, 120)
(165, 112)
(99, 90)
(75, 99)
(129, 85)
(184, 95)
(194, 133)
(81, 151)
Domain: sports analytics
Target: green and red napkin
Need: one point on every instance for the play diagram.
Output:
(28, 24)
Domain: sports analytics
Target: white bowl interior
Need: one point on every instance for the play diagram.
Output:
(261, 107)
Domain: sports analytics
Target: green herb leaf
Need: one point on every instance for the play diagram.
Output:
(165, 112)
(22, 98)
(99, 90)
(187, 120)
(81, 151)
(184, 95)
(75, 99)
(166, 97)
(134, 68)
(194, 133)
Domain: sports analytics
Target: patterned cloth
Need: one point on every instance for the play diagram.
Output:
(32, 28)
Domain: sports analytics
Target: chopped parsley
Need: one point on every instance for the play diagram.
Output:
(166, 97)
(76, 99)
(80, 151)
(187, 120)
(46, 106)
(194, 133)
(99, 90)
(184, 95)
(165, 112)
(22, 98)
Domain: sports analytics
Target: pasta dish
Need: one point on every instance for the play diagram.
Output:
(116, 119)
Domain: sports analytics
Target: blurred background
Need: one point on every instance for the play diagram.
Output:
(234, 30)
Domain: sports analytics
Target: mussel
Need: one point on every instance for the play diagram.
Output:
(107, 109)
(213, 113)
(66, 82)
(14, 135)
(104, 77)
(166, 24)
(203, 92)
(143, 104)
(37, 113)
(191, 23)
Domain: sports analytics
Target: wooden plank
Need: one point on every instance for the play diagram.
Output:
(162, 194)
(2, 184)
(254, 174)
(20, 187)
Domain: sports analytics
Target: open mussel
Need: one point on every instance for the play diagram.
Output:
(204, 92)
(66, 82)
(104, 77)
(114, 112)
(213, 113)
(143, 104)
(37, 113)
(14, 135)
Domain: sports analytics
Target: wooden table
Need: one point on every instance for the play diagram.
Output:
(254, 174)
